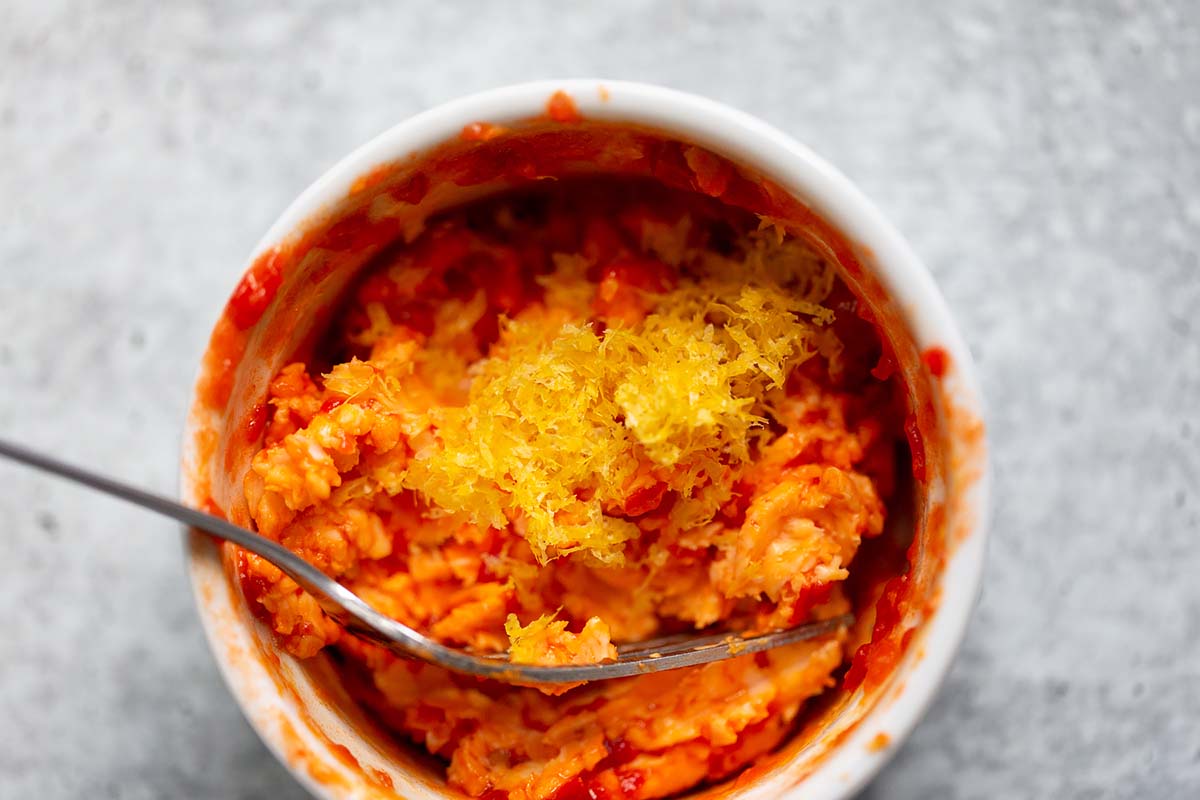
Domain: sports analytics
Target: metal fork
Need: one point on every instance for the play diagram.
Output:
(357, 617)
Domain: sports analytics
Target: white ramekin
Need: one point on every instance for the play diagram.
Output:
(334, 751)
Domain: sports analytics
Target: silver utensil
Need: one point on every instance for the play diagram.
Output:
(352, 613)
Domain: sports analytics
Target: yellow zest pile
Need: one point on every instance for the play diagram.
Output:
(559, 431)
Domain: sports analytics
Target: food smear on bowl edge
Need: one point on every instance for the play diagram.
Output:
(671, 333)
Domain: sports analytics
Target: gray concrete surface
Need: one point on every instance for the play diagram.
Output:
(1041, 156)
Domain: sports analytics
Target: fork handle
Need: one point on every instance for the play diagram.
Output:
(209, 523)
(334, 599)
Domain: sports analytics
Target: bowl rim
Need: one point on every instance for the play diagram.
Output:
(745, 139)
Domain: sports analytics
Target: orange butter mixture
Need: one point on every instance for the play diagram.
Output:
(568, 418)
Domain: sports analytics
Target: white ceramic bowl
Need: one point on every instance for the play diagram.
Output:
(301, 712)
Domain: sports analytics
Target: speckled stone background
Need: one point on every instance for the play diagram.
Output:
(1041, 156)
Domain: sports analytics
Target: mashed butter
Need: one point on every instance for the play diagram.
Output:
(565, 419)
